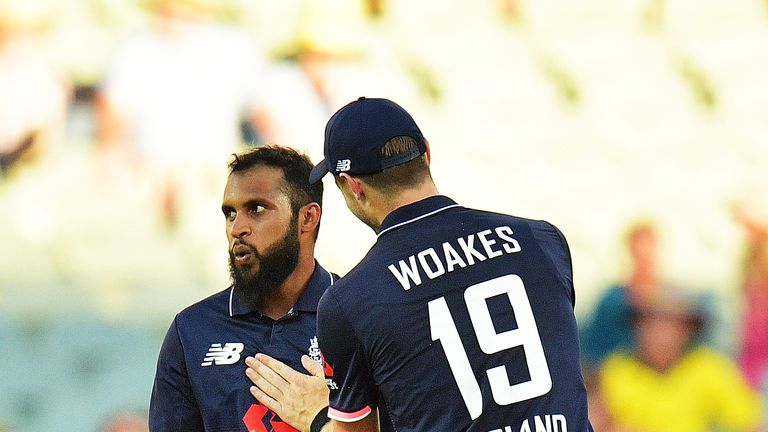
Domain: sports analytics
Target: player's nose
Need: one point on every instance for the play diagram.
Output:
(239, 227)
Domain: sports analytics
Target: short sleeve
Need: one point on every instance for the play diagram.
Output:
(173, 406)
(353, 394)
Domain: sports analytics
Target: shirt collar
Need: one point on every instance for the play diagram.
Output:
(307, 301)
(416, 211)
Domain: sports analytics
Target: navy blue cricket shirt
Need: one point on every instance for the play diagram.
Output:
(200, 382)
(457, 320)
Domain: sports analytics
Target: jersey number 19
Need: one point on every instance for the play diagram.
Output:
(526, 334)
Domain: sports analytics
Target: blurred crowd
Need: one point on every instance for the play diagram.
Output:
(117, 119)
(650, 362)
(127, 112)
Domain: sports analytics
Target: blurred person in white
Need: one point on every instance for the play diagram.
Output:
(175, 97)
(670, 381)
(33, 96)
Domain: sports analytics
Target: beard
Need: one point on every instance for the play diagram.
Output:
(277, 262)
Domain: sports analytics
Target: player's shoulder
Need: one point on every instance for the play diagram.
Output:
(547, 238)
(362, 271)
(539, 227)
(493, 215)
(212, 305)
(362, 281)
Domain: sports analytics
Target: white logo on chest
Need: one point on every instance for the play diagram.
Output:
(226, 355)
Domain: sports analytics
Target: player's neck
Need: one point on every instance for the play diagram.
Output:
(404, 198)
(278, 305)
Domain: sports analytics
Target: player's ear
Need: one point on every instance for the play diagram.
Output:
(429, 153)
(309, 217)
(354, 184)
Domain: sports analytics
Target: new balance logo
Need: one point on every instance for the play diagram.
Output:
(343, 165)
(226, 355)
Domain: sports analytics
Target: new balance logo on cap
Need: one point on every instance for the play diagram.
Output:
(357, 132)
(226, 355)
(343, 165)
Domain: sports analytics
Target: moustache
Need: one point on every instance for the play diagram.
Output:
(240, 247)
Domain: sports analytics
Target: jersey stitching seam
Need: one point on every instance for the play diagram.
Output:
(417, 218)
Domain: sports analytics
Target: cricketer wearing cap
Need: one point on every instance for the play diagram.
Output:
(456, 319)
(272, 215)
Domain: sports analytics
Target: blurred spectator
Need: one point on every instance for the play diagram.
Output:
(126, 421)
(177, 96)
(33, 96)
(754, 338)
(329, 46)
(338, 52)
(338, 49)
(598, 413)
(511, 10)
(609, 327)
(672, 383)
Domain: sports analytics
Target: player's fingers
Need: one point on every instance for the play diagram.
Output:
(258, 364)
(276, 366)
(265, 399)
(312, 366)
(265, 386)
(265, 379)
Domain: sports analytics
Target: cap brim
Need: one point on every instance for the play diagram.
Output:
(317, 173)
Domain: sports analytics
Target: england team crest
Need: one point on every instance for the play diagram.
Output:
(315, 354)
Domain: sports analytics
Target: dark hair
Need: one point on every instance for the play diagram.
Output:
(403, 176)
(295, 167)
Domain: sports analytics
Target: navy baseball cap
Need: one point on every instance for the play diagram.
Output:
(356, 133)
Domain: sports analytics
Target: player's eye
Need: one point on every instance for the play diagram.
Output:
(256, 208)
(229, 214)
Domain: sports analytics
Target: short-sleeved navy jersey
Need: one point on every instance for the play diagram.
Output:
(457, 320)
(200, 382)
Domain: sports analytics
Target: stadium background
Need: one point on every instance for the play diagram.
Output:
(589, 114)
